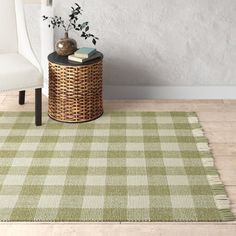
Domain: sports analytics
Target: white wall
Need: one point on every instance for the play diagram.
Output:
(163, 42)
(148, 44)
(32, 16)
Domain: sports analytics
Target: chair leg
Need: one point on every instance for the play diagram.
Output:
(38, 107)
(22, 97)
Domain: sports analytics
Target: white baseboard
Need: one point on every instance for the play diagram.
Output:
(166, 92)
(170, 92)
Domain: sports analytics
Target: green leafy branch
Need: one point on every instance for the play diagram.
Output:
(72, 24)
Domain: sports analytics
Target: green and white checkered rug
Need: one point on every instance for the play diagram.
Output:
(138, 166)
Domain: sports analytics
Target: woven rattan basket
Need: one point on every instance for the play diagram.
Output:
(75, 92)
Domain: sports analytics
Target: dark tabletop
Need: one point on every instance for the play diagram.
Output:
(63, 60)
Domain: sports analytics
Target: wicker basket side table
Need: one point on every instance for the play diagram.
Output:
(75, 89)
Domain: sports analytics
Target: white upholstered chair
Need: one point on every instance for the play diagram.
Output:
(19, 68)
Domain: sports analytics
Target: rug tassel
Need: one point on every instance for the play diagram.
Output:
(227, 215)
(203, 147)
(198, 133)
(207, 162)
(193, 120)
(213, 180)
(222, 202)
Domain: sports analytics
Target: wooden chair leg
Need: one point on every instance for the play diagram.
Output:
(22, 97)
(38, 107)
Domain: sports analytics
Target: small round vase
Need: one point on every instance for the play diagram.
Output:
(66, 46)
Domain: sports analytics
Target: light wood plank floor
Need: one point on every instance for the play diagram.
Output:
(218, 119)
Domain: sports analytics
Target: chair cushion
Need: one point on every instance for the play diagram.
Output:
(8, 27)
(17, 73)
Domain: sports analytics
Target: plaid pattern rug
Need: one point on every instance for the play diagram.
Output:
(138, 166)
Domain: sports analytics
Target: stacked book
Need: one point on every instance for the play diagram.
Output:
(84, 55)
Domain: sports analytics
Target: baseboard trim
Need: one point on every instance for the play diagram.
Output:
(170, 92)
(166, 92)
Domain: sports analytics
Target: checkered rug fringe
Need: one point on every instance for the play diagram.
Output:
(123, 167)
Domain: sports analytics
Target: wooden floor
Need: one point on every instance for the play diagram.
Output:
(218, 119)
